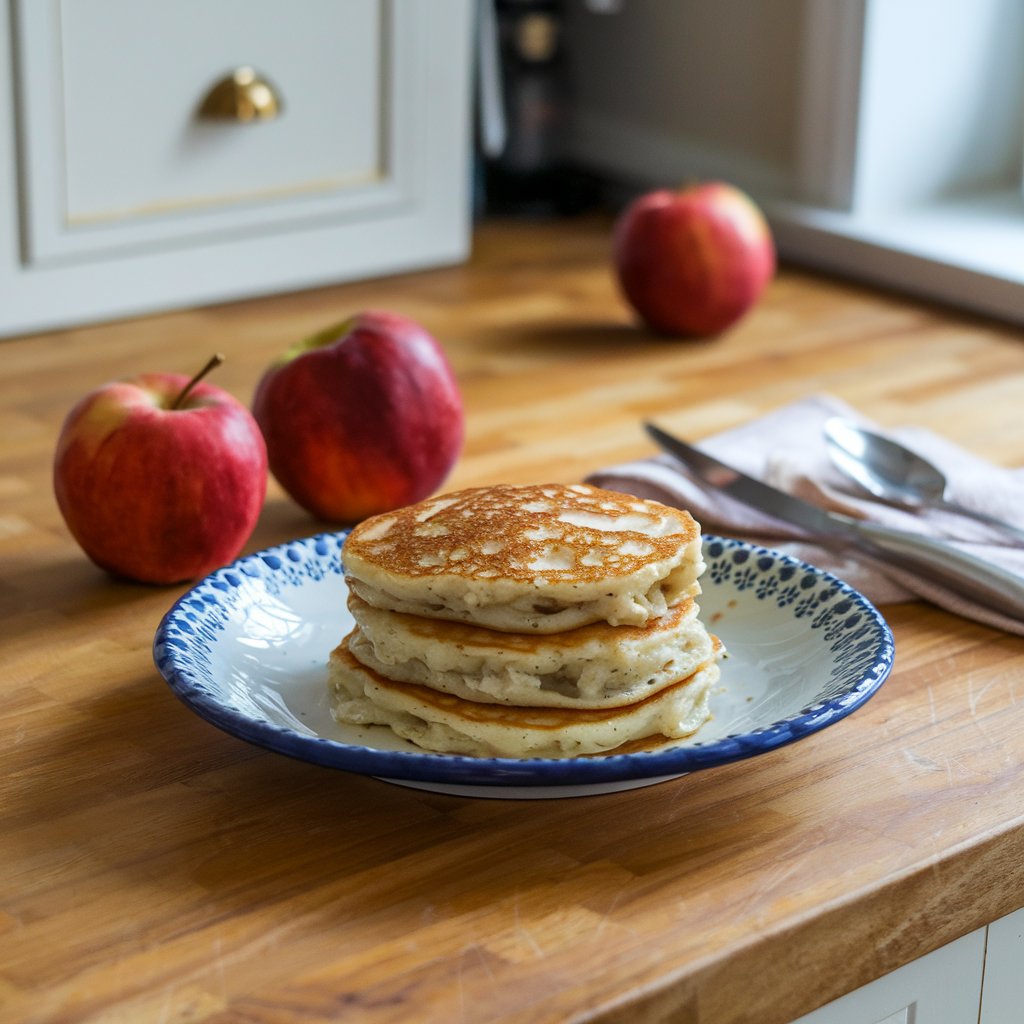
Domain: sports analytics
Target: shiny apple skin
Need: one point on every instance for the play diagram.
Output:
(155, 494)
(693, 262)
(362, 418)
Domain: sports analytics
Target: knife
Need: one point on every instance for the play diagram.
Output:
(982, 581)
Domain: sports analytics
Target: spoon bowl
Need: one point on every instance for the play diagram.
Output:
(895, 474)
(882, 467)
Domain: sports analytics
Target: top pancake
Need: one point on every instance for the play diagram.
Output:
(540, 558)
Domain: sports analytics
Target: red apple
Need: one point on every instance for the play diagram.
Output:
(160, 479)
(361, 418)
(693, 262)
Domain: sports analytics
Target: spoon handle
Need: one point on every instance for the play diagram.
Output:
(982, 517)
(963, 573)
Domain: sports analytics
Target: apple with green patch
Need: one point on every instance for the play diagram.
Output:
(693, 262)
(160, 478)
(361, 418)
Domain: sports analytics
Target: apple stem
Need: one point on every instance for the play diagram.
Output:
(215, 360)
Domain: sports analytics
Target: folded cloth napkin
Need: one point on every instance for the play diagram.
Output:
(786, 448)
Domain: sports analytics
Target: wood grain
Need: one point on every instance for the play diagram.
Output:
(155, 869)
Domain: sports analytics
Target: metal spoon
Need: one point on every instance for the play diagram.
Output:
(895, 474)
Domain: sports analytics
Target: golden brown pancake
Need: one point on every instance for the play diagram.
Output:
(528, 559)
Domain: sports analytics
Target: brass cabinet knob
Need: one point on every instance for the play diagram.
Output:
(241, 96)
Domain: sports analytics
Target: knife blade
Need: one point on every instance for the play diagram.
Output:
(942, 563)
(751, 491)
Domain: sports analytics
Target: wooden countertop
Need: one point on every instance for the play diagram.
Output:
(153, 868)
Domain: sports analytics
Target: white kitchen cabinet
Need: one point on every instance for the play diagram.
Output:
(1002, 997)
(943, 987)
(120, 194)
(978, 979)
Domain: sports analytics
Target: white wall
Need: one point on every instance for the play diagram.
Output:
(942, 101)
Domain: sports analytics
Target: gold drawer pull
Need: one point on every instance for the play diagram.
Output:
(241, 96)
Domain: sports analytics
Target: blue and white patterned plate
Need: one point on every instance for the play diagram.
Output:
(247, 649)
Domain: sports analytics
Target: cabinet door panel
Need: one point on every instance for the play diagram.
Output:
(943, 987)
(134, 74)
(1002, 998)
(116, 155)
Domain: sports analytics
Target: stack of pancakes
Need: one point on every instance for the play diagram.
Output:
(541, 621)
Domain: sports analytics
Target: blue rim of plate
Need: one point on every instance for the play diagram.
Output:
(831, 605)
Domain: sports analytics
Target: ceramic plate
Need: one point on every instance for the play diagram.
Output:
(247, 648)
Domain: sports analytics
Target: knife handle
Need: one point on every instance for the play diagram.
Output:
(947, 565)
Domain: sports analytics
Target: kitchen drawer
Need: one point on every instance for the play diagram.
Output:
(126, 195)
(118, 153)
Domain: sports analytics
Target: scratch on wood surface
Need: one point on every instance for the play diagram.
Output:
(527, 934)
(607, 913)
(931, 706)
(973, 698)
(771, 884)
(218, 963)
(485, 960)
(774, 879)
(920, 761)
(459, 985)
(166, 1003)
(1012, 682)
(990, 743)
(475, 950)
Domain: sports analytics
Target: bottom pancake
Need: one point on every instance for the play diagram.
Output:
(443, 723)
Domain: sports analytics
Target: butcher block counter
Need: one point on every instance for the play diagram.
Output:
(154, 868)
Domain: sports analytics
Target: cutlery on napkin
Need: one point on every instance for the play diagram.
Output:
(786, 448)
